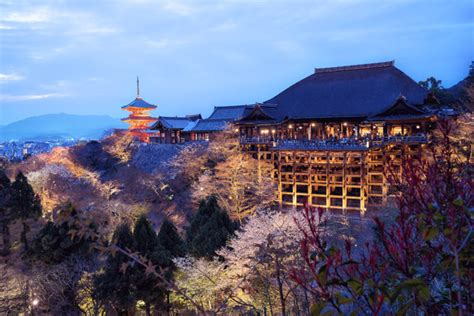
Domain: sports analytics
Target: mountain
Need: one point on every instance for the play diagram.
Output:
(59, 126)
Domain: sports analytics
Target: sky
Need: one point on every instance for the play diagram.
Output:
(82, 57)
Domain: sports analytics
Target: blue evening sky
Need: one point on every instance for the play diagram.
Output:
(82, 57)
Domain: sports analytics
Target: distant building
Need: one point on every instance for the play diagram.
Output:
(173, 130)
(139, 118)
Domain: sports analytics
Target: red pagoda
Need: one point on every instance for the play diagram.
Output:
(139, 117)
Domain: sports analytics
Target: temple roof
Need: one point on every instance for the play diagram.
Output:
(210, 125)
(175, 122)
(400, 110)
(230, 113)
(348, 91)
(139, 103)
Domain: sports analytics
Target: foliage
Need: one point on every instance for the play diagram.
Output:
(113, 284)
(260, 260)
(170, 240)
(436, 88)
(18, 201)
(124, 281)
(245, 183)
(422, 262)
(60, 239)
(146, 287)
(6, 215)
(209, 229)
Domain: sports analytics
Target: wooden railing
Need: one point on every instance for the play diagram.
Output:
(335, 144)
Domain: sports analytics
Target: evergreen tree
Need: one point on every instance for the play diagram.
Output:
(56, 241)
(170, 240)
(174, 246)
(5, 211)
(146, 245)
(25, 204)
(114, 283)
(209, 229)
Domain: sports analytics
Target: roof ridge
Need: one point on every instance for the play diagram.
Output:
(229, 106)
(175, 117)
(355, 67)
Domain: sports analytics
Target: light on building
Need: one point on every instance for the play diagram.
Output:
(418, 127)
(35, 302)
(290, 126)
(345, 123)
(313, 124)
(374, 127)
(236, 130)
(264, 131)
(273, 131)
(300, 127)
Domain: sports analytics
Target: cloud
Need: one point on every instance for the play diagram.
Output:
(29, 97)
(179, 8)
(37, 15)
(4, 78)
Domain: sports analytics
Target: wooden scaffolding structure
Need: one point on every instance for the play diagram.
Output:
(336, 179)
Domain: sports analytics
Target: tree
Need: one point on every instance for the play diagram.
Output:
(209, 229)
(244, 183)
(25, 204)
(170, 240)
(58, 240)
(147, 287)
(260, 260)
(435, 86)
(6, 216)
(422, 262)
(113, 285)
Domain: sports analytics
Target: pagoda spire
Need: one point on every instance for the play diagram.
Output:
(138, 88)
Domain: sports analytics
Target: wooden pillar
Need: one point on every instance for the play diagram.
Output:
(310, 185)
(344, 188)
(328, 189)
(363, 157)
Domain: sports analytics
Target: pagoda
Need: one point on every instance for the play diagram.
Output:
(139, 117)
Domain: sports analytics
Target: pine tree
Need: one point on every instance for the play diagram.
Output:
(5, 211)
(170, 240)
(114, 283)
(147, 245)
(174, 246)
(209, 229)
(25, 204)
(56, 241)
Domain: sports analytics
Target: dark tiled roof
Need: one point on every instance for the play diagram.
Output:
(230, 113)
(209, 125)
(175, 122)
(139, 103)
(349, 91)
(221, 117)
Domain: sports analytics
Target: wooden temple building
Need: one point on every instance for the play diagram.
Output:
(332, 136)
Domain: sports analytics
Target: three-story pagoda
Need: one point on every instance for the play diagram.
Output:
(139, 118)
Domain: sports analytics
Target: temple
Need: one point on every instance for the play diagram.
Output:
(139, 118)
(331, 138)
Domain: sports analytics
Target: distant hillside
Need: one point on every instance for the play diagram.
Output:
(59, 126)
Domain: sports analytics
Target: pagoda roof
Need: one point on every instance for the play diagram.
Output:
(348, 91)
(139, 103)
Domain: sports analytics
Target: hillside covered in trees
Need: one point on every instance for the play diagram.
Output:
(117, 227)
